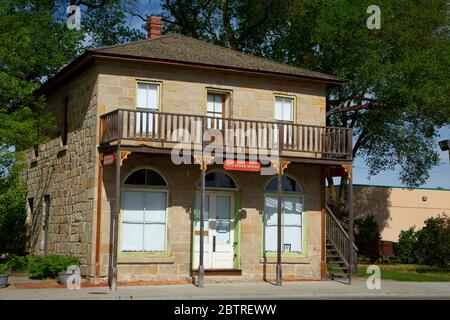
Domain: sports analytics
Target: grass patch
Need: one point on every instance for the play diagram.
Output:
(409, 272)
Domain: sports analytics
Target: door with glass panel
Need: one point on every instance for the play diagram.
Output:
(218, 231)
(284, 113)
(147, 100)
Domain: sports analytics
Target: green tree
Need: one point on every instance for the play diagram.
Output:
(12, 212)
(406, 247)
(35, 44)
(396, 91)
(433, 242)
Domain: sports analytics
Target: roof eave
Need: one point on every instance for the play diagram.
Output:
(72, 68)
(88, 57)
(113, 56)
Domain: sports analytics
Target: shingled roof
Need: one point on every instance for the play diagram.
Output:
(179, 48)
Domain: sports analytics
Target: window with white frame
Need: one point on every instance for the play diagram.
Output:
(284, 108)
(284, 111)
(148, 95)
(217, 107)
(144, 213)
(292, 216)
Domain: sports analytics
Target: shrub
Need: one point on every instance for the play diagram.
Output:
(434, 242)
(4, 270)
(430, 245)
(367, 237)
(405, 249)
(41, 267)
(17, 263)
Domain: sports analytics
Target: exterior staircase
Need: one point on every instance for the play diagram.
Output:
(338, 250)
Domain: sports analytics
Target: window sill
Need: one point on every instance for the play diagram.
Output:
(143, 259)
(286, 260)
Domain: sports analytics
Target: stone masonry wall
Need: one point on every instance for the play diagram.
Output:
(67, 173)
(185, 91)
(182, 181)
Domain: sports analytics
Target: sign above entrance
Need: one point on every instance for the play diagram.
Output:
(108, 159)
(241, 165)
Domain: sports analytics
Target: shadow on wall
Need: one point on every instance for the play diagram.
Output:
(372, 201)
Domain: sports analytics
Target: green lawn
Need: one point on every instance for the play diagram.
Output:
(408, 272)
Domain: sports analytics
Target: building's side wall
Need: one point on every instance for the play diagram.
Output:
(67, 173)
(182, 180)
(185, 91)
(397, 209)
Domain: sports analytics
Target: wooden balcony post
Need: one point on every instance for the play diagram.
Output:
(201, 267)
(279, 230)
(114, 222)
(350, 224)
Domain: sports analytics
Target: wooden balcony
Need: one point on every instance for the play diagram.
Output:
(163, 131)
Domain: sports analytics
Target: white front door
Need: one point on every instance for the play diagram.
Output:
(219, 231)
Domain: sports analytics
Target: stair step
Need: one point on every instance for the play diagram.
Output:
(337, 262)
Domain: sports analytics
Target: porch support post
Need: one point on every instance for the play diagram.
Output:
(279, 213)
(203, 161)
(280, 165)
(115, 221)
(201, 268)
(351, 261)
(323, 223)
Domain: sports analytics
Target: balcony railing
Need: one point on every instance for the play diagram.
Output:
(167, 129)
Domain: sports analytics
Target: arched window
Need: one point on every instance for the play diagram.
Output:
(146, 177)
(292, 225)
(289, 185)
(144, 213)
(218, 180)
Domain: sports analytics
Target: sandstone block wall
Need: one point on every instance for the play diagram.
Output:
(67, 173)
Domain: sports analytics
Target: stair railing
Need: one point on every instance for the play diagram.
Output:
(339, 238)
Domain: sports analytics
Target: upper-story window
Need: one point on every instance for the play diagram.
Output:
(148, 95)
(284, 108)
(217, 107)
(148, 99)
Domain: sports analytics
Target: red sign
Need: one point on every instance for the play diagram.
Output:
(240, 165)
(108, 159)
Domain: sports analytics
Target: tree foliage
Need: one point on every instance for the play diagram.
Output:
(396, 93)
(35, 44)
(13, 212)
(429, 245)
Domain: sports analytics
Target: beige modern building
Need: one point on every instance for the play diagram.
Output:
(396, 208)
(106, 189)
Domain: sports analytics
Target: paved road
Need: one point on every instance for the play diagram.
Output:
(290, 290)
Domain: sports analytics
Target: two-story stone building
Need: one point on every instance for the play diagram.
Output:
(106, 186)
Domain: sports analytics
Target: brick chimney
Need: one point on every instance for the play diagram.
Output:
(154, 26)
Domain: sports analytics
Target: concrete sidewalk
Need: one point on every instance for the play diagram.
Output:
(289, 290)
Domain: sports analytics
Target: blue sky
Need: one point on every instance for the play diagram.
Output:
(439, 175)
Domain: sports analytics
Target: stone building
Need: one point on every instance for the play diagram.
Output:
(107, 189)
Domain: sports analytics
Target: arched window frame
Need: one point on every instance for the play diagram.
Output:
(236, 188)
(301, 195)
(145, 188)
